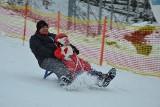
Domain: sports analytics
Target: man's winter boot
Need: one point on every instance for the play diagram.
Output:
(66, 80)
(100, 77)
(104, 79)
(108, 77)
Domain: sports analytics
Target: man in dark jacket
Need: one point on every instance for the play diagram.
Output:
(42, 44)
(43, 47)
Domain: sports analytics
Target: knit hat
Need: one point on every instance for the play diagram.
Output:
(40, 24)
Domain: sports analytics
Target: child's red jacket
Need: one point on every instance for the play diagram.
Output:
(75, 64)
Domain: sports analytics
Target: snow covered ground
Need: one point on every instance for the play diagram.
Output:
(22, 84)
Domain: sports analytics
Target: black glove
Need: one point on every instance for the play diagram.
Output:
(75, 50)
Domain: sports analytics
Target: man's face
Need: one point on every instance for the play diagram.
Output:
(44, 30)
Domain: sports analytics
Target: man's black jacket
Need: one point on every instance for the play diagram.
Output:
(43, 46)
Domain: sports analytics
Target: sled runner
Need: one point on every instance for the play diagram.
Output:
(47, 73)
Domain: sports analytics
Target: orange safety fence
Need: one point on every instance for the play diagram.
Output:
(134, 48)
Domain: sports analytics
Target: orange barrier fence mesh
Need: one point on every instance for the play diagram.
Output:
(133, 48)
(9, 23)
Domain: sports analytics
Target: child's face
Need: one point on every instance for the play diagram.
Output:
(66, 43)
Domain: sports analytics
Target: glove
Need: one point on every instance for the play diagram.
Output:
(67, 58)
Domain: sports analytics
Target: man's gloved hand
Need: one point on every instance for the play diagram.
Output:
(67, 58)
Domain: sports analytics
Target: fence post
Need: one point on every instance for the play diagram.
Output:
(25, 22)
(58, 23)
(103, 39)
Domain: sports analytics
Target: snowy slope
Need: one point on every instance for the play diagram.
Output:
(22, 85)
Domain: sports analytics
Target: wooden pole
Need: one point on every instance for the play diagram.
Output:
(25, 22)
(58, 23)
(103, 40)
